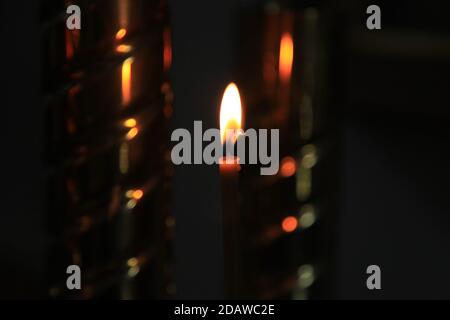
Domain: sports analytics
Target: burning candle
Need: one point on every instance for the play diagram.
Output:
(230, 123)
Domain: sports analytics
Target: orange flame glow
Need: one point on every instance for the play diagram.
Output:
(124, 48)
(138, 194)
(126, 81)
(130, 123)
(230, 111)
(132, 133)
(286, 57)
(121, 34)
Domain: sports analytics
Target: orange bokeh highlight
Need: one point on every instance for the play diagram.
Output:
(288, 167)
(289, 224)
(286, 57)
(130, 123)
(132, 133)
(121, 34)
(126, 81)
(138, 194)
(124, 48)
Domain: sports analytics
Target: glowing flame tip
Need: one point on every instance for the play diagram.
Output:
(230, 111)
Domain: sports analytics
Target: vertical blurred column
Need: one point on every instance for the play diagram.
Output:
(107, 104)
(283, 78)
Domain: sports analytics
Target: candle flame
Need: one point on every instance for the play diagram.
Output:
(286, 57)
(230, 111)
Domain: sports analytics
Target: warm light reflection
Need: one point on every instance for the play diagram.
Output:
(126, 81)
(124, 48)
(286, 57)
(138, 194)
(288, 167)
(121, 34)
(134, 196)
(132, 133)
(167, 49)
(129, 193)
(130, 123)
(72, 42)
(289, 224)
(230, 112)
